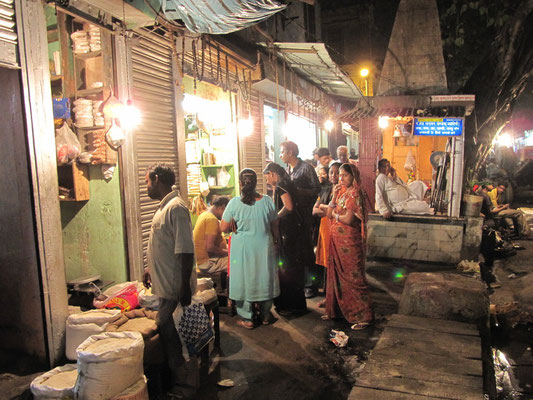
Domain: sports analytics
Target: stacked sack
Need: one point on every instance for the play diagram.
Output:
(80, 42)
(95, 39)
(55, 384)
(82, 325)
(109, 364)
(83, 111)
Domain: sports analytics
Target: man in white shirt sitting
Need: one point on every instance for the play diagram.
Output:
(394, 196)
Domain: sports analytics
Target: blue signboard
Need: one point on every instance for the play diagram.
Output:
(438, 126)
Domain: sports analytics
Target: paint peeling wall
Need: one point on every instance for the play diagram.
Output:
(93, 232)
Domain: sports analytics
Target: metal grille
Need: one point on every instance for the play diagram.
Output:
(254, 145)
(8, 35)
(156, 137)
(369, 155)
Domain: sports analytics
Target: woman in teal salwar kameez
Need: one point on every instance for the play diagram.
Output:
(253, 275)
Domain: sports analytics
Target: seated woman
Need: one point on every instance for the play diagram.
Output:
(291, 269)
(348, 294)
(319, 210)
(253, 220)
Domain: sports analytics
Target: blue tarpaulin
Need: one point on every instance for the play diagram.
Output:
(219, 16)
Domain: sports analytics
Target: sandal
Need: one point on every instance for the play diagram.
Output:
(358, 326)
(269, 319)
(321, 304)
(325, 317)
(245, 324)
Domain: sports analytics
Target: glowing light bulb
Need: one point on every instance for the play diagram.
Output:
(130, 116)
(364, 72)
(246, 127)
(329, 125)
(383, 122)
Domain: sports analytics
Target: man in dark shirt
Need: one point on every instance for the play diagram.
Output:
(307, 185)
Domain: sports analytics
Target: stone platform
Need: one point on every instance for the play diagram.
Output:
(423, 358)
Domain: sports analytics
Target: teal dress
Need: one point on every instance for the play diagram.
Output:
(253, 274)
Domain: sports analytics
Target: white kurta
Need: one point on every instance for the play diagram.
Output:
(394, 196)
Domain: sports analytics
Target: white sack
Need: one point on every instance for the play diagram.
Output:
(98, 317)
(148, 300)
(77, 334)
(55, 384)
(137, 391)
(108, 364)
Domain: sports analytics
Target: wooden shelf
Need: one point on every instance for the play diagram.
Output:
(89, 128)
(86, 56)
(56, 78)
(74, 177)
(221, 187)
(217, 166)
(89, 92)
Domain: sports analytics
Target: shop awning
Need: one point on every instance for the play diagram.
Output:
(219, 16)
(313, 62)
(410, 106)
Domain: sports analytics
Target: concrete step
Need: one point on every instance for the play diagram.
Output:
(426, 358)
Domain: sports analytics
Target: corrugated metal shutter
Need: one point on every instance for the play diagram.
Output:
(369, 155)
(153, 94)
(8, 34)
(253, 146)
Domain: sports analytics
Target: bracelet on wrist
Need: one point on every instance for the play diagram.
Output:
(332, 204)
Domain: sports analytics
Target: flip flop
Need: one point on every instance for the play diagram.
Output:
(359, 326)
(246, 324)
(325, 317)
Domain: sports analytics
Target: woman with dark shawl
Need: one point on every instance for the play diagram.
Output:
(348, 294)
(291, 257)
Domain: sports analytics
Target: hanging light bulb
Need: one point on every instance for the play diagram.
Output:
(329, 125)
(246, 127)
(129, 116)
(383, 122)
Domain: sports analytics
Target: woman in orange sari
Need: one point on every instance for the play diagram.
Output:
(348, 294)
(319, 210)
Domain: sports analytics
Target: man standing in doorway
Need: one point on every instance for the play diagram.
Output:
(170, 259)
(307, 186)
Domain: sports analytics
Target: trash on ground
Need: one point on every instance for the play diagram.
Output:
(511, 276)
(468, 266)
(338, 338)
(226, 383)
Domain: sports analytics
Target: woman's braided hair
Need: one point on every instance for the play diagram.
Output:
(248, 180)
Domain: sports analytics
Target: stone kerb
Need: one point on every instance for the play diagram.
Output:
(445, 296)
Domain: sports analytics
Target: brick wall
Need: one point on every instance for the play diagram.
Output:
(424, 238)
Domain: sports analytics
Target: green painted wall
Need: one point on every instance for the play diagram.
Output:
(93, 232)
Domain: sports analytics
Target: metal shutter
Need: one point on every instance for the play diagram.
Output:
(253, 146)
(153, 93)
(8, 35)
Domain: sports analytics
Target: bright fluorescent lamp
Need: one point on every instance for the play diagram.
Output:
(329, 125)
(383, 122)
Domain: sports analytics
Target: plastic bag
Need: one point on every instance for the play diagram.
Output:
(68, 147)
(223, 177)
(63, 388)
(122, 296)
(410, 162)
(193, 325)
(148, 300)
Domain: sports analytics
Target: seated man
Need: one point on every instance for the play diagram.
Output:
(520, 224)
(209, 244)
(394, 196)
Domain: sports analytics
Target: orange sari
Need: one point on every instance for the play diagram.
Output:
(347, 293)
